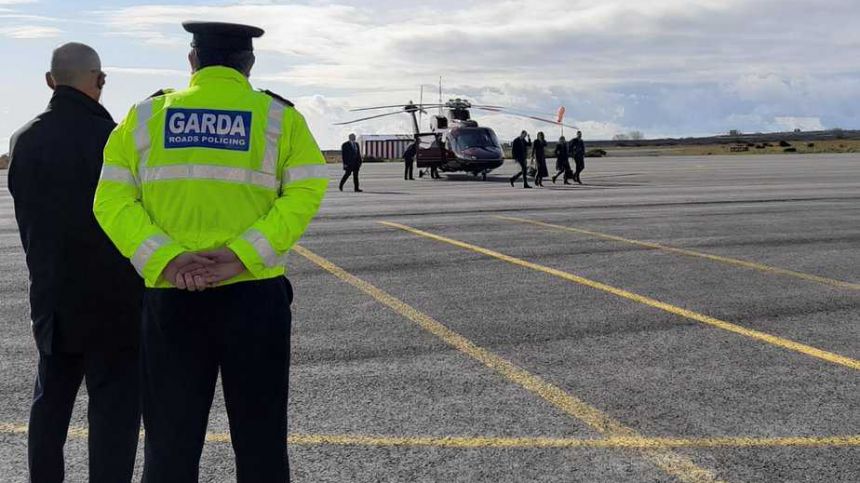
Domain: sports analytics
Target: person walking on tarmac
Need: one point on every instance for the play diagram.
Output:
(351, 156)
(84, 295)
(539, 155)
(562, 161)
(577, 150)
(206, 190)
(520, 148)
(409, 160)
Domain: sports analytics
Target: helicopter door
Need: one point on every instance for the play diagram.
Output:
(431, 150)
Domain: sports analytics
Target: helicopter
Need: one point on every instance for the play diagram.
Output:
(455, 142)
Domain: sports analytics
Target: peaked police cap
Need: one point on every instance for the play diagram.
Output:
(222, 35)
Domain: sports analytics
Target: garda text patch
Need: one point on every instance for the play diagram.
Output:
(207, 128)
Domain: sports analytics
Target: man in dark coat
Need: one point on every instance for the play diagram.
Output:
(577, 150)
(84, 296)
(409, 160)
(562, 163)
(351, 156)
(520, 148)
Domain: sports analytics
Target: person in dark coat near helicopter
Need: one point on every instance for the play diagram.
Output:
(409, 160)
(562, 161)
(577, 150)
(520, 149)
(351, 155)
(539, 155)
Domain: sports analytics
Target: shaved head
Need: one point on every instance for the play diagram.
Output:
(77, 65)
(73, 63)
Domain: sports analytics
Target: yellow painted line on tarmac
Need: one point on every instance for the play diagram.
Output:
(674, 464)
(607, 443)
(692, 253)
(478, 442)
(672, 309)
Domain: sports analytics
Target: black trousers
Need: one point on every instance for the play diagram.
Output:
(347, 173)
(523, 173)
(407, 173)
(564, 169)
(243, 329)
(580, 165)
(113, 413)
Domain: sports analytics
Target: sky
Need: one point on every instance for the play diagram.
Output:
(662, 67)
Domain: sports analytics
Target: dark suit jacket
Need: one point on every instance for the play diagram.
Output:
(84, 295)
(409, 154)
(351, 155)
(520, 149)
(577, 149)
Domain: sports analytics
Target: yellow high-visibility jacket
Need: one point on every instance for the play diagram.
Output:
(218, 164)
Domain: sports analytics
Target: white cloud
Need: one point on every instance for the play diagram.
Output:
(789, 123)
(147, 71)
(663, 66)
(343, 46)
(17, 2)
(30, 32)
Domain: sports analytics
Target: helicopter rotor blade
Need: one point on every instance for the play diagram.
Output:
(527, 116)
(367, 118)
(394, 105)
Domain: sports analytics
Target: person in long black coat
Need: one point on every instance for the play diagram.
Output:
(562, 161)
(350, 154)
(577, 150)
(520, 149)
(85, 297)
(409, 160)
(539, 155)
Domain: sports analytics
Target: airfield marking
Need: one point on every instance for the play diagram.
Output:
(689, 314)
(674, 464)
(477, 442)
(692, 253)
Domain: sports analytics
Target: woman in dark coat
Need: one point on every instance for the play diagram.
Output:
(562, 160)
(539, 155)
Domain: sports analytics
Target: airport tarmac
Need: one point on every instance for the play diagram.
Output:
(673, 319)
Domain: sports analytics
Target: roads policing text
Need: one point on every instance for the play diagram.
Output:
(207, 128)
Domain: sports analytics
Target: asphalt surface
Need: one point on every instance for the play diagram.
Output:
(402, 341)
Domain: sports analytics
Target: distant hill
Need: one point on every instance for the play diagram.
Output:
(4, 161)
(757, 138)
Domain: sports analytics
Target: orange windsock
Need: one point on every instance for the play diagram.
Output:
(560, 115)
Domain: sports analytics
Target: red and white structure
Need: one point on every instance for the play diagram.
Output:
(384, 146)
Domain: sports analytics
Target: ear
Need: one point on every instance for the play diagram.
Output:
(193, 61)
(49, 80)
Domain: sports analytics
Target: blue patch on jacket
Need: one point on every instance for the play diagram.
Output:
(207, 128)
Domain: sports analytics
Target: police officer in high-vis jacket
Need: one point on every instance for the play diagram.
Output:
(206, 189)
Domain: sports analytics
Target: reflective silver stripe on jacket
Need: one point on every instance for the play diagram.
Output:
(307, 171)
(274, 124)
(118, 174)
(146, 249)
(263, 248)
(211, 173)
(142, 141)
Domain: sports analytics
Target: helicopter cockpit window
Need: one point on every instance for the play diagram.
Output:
(470, 138)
